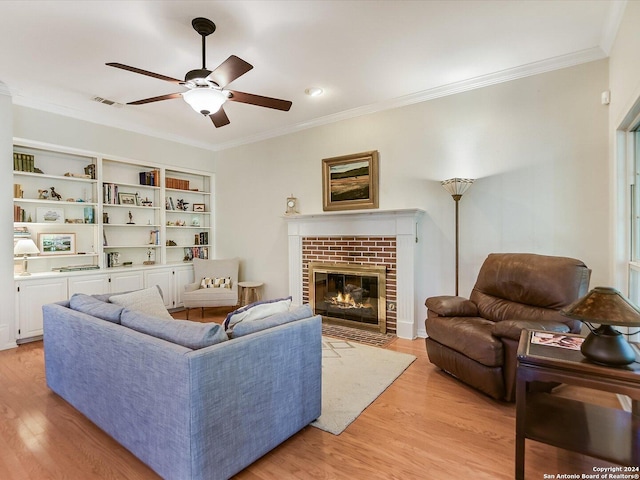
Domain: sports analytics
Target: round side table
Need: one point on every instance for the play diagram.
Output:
(249, 292)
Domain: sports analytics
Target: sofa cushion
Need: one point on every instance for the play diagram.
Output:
(256, 311)
(147, 300)
(470, 336)
(95, 307)
(193, 335)
(296, 313)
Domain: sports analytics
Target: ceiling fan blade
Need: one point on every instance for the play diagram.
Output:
(145, 72)
(156, 99)
(259, 100)
(220, 118)
(232, 68)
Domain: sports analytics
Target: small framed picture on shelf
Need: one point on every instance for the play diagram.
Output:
(127, 199)
(49, 215)
(199, 207)
(57, 243)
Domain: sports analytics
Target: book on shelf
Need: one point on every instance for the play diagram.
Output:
(17, 191)
(110, 193)
(151, 178)
(23, 162)
(21, 232)
(176, 183)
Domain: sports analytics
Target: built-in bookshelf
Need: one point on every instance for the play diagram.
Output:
(108, 212)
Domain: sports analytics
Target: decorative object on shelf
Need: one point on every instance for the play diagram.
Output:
(49, 215)
(195, 222)
(182, 205)
(91, 171)
(25, 247)
(606, 307)
(199, 207)
(350, 182)
(149, 261)
(55, 194)
(130, 222)
(146, 202)
(126, 198)
(77, 175)
(180, 223)
(171, 243)
(456, 187)
(154, 237)
(57, 243)
(43, 194)
(88, 215)
(206, 90)
(292, 205)
(105, 218)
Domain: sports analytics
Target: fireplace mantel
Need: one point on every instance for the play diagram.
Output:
(402, 224)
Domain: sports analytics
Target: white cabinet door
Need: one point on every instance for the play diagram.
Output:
(182, 276)
(31, 296)
(89, 284)
(162, 278)
(126, 281)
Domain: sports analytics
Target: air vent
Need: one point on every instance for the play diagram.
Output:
(107, 102)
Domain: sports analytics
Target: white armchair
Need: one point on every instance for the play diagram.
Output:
(196, 297)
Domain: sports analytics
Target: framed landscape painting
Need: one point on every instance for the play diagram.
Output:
(350, 182)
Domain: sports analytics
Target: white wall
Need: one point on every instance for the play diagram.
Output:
(537, 147)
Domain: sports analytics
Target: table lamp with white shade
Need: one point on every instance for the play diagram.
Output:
(25, 247)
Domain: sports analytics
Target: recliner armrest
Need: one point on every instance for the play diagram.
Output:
(512, 328)
(450, 306)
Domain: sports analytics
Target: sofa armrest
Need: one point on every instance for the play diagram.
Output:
(450, 306)
(191, 287)
(512, 328)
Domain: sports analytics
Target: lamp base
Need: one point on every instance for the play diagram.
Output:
(607, 346)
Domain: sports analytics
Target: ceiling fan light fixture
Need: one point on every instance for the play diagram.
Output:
(205, 100)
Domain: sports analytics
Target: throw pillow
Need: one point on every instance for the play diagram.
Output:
(147, 300)
(95, 307)
(257, 310)
(193, 335)
(215, 282)
(245, 328)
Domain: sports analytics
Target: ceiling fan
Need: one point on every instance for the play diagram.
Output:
(206, 92)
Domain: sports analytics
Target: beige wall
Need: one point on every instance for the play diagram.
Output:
(537, 147)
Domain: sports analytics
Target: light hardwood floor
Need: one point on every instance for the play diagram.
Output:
(426, 425)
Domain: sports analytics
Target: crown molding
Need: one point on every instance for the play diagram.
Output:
(527, 70)
(612, 24)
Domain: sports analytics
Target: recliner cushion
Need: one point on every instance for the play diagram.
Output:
(470, 336)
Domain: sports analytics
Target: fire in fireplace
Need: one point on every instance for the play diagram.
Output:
(353, 295)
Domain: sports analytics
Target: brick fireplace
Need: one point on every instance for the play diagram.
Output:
(375, 238)
(351, 251)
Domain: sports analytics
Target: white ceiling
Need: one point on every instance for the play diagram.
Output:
(366, 55)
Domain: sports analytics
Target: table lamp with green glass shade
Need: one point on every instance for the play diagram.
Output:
(606, 307)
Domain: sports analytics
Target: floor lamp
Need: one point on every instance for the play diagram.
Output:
(456, 187)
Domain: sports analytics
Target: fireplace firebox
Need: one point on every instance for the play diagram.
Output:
(348, 294)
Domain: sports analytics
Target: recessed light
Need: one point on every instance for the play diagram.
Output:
(314, 91)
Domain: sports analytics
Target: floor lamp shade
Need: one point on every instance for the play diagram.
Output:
(456, 187)
(24, 247)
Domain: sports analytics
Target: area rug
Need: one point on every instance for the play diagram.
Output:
(353, 376)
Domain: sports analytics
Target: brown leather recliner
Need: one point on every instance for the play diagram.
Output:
(476, 340)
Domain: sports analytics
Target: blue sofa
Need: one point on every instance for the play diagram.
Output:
(203, 413)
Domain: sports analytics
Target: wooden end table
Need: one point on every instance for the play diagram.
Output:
(607, 433)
